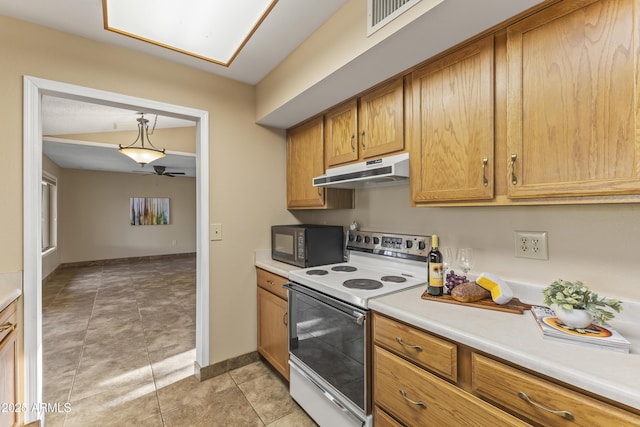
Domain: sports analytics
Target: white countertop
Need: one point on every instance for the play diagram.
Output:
(264, 261)
(517, 339)
(10, 288)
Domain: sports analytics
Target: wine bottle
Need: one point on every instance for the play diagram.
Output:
(435, 278)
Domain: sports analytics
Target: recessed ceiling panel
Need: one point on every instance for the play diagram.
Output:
(214, 30)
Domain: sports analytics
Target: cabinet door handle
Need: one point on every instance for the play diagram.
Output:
(6, 326)
(413, 402)
(353, 140)
(402, 343)
(285, 318)
(514, 179)
(564, 414)
(485, 181)
(319, 191)
(364, 147)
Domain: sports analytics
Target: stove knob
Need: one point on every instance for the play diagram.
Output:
(358, 238)
(376, 240)
(409, 244)
(350, 237)
(421, 245)
(367, 239)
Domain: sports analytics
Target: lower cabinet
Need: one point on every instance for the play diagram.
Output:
(541, 401)
(423, 380)
(418, 398)
(8, 368)
(272, 321)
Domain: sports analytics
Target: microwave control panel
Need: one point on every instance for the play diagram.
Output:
(300, 239)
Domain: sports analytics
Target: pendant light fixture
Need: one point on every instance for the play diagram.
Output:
(142, 154)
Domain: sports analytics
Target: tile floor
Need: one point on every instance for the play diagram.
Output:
(119, 348)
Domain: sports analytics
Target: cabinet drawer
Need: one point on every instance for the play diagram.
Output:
(418, 398)
(504, 385)
(382, 419)
(271, 282)
(433, 353)
(8, 320)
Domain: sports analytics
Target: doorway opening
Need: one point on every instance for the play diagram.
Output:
(34, 89)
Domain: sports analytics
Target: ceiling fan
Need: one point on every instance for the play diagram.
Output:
(162, 170)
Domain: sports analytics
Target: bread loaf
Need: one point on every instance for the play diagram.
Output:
(469, 292)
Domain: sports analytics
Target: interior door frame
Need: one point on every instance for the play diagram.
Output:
(33, 89)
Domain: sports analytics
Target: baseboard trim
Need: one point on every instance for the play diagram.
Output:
(113, 261)
(203, 373)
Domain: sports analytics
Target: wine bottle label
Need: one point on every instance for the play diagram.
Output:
(436, 277)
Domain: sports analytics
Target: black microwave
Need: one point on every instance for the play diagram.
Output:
(307, 245)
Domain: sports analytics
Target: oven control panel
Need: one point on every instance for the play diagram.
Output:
(393, 245)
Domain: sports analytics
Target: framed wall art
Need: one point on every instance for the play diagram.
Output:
(149, 211)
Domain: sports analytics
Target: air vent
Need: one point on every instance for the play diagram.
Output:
(381, 12)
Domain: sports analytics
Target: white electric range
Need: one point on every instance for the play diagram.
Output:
(363, 277)
(329, 322)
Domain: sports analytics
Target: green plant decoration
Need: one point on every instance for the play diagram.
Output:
(576, 295)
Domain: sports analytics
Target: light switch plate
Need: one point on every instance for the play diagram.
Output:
(215, 232)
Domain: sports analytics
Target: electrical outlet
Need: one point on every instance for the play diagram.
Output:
(531, 244)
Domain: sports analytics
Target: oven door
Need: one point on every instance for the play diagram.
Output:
(328, 340)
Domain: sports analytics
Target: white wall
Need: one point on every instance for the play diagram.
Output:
(94, 223)
(598, 244)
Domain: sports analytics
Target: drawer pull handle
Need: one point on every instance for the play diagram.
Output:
(413, 402)
(6, 326)
(271, 282)
(402, 343)
(564, 414)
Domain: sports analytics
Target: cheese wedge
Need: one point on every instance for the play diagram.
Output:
(501, 293)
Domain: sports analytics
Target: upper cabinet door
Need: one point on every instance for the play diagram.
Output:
(305, 160)
(573, 109)
(453, 126)
(382, 120)
(341, 139)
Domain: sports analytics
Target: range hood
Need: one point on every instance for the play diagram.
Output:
(391, 170)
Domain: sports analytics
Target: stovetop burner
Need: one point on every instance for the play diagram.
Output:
(344, 268)
(317, 272)
(393, 279)
(367, 284)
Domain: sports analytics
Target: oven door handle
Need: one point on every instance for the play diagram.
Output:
(359, 316)
(328, 395)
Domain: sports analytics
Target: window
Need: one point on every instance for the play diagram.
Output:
(49, 213)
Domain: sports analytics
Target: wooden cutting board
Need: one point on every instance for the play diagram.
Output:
(513, 306)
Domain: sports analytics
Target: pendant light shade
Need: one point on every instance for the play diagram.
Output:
(142, 154)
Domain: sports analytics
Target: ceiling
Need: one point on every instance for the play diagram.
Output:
(105, 157)
(287, 25)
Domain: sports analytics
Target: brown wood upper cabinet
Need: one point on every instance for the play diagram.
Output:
(452, 153)
(573, 109)
(305, 160)
(370, 126)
